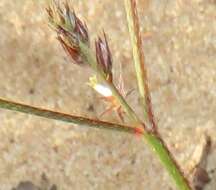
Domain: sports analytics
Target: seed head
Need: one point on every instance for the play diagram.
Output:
(104, 57)
(70, 30)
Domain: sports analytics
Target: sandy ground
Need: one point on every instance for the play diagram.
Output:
(180, 48)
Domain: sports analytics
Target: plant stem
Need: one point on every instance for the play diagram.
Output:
(87, 122)
(139, 60)
(153, 139)
(159, 147)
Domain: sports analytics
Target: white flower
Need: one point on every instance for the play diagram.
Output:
(100, 88)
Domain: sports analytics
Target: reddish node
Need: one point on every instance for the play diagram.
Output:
(138, 131)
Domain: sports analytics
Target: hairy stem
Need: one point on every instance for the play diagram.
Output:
(83, 121)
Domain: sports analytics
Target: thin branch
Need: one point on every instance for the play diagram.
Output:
(154, 141)
(83, 121)
(139, 60)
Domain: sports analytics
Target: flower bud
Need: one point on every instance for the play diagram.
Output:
(104, 57)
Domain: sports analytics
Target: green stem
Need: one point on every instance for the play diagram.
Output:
(154, 141)
(5, 104)
(152, 138)
(159, 147)
(138, 55)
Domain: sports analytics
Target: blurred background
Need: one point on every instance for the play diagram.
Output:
(179, 40)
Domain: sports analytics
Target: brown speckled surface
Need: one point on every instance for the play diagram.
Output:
(180, 49)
